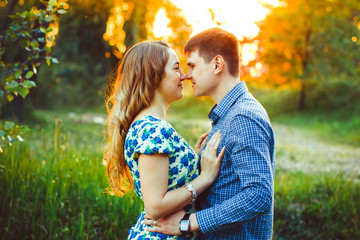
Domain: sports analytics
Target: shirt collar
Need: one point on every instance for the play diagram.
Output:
(219, 110)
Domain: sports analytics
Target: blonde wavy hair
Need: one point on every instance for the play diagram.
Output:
(129, 92)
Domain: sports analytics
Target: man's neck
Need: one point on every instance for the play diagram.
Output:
(225, 86)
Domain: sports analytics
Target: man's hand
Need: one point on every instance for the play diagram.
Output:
(168, 225)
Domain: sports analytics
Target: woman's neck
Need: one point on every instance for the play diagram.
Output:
(157, 108)
(155, 111)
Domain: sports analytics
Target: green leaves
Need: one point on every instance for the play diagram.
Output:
(10, 97)
(18, 74)
(28, 84)
(22, 88)
(48, 19)
(32, 29)
(23, 92)
(13, 84)
(29, 75)
(24, 129)
(10, 133)
(34, 42)
(8, 125)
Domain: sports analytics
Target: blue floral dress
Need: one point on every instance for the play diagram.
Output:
(149, 135)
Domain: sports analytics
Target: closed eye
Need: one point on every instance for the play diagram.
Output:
(176, 66)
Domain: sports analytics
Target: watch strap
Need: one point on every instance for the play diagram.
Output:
(186, 216)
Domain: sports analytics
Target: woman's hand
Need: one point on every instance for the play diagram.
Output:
(210, 163)
(201, 142)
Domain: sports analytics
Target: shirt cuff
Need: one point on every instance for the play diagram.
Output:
(207, 220)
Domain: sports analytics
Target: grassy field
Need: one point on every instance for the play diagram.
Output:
(53, 185)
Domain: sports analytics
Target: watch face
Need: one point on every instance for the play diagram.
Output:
(184, 225)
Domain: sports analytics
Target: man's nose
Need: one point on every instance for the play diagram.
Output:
(182, 75)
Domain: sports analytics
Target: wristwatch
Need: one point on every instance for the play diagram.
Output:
(185, 224)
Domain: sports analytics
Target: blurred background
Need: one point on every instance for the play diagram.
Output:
(300, 59)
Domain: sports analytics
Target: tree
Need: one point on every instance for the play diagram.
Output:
(131, 21)
(84, 57)
(32, 30)
(303, 40)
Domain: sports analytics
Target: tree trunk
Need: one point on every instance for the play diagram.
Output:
(302, 95)
(304, 76)
(6, 19)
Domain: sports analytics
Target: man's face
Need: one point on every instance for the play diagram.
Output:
(200, 74)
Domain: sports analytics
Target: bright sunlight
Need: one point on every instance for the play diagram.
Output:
(236, 16)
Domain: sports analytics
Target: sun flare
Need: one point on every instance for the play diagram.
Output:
(236, 16)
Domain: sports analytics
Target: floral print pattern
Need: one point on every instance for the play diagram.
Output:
(149, 135)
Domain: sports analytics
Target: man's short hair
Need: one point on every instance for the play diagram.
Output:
(213, 42)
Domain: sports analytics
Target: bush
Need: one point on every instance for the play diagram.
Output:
(334, 95)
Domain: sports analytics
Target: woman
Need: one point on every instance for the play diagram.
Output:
(144, 150)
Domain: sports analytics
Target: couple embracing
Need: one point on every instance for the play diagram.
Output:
(222, 189)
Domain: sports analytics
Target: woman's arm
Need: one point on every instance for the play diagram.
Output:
(154, 169)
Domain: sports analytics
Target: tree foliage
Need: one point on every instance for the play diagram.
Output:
(84, 56)
(90, 39)
(32, 31)
(303, 42)
(131, 21)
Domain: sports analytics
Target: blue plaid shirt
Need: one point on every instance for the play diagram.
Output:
(240, 204)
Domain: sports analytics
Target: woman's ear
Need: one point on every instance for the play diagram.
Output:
(218, 64)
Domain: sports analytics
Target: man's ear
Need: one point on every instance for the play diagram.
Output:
(218, 64)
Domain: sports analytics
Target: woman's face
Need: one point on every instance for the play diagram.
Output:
(171, 86)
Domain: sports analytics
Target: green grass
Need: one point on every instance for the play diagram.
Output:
(316, 207)
(52, 186)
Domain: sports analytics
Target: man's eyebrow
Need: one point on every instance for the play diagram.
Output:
(190, 63)
(176, 63)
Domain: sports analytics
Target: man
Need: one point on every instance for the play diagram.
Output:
(239, 205)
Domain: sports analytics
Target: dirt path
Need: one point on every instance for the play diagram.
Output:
(300, 150)
(304, 151)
